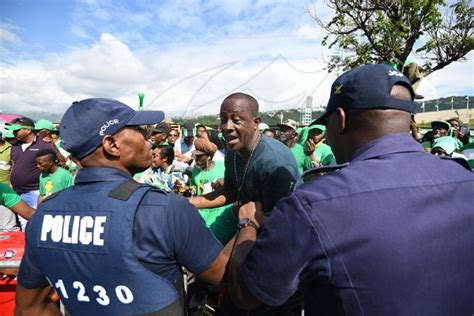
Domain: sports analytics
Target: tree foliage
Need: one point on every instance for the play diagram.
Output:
(390, 30)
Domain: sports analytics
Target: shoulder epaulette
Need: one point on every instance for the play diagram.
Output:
(124, 190)
(314, 173)
(463, 162)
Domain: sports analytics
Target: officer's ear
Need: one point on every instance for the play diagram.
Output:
(110, 146)
(340, 120)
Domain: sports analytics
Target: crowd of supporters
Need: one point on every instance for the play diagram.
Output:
(186, 160)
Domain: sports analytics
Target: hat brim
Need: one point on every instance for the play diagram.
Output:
(445, 124)
(322, 120)
(7, 134)
(284, 125)
(146, 118)
(17, 127)
(321, 127)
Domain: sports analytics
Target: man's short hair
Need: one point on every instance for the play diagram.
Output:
(168, 153)
(47, 152)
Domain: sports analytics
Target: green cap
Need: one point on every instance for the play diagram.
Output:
(17, 127)
(44, 124)
(447, 143)
(7, 134)
(322, 128)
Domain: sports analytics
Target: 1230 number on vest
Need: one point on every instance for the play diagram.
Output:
(123, 293)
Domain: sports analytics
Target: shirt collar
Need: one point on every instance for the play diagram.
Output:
(390, 144)
(99, 174)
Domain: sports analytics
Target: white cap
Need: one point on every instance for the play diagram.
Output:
(263, 126)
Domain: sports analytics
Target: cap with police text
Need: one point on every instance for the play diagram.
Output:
(86, 122)
(368, 87)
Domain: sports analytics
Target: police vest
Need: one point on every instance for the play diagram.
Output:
(84, 244)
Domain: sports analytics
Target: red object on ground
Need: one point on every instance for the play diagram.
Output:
(12, 246)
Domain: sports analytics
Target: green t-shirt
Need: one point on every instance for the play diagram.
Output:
(54, 182)
(302, 160)
(324, 154)
(5, 163)
(203, 181)
(8, 197)
(468, 151)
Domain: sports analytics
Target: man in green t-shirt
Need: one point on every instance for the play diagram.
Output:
(206, 177)
(288, 137)
(319, 153)
(12, 203)
(52, 178)
(5, 158)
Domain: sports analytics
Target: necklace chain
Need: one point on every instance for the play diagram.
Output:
(241, 185)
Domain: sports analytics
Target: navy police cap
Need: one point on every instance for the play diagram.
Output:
(86, 122)
(368, 87)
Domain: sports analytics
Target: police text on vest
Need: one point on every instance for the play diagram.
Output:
(70, 229)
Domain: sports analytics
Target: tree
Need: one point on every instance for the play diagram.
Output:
(390, 30)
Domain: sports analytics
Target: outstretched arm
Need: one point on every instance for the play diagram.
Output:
(213, 199)
(23, 209)
(244, 242)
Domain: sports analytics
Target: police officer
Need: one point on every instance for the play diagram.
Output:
(388, 232)
(108, 245)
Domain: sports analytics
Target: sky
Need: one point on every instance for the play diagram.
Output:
(186, 56)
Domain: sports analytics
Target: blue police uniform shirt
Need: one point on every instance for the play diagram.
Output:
(167, 232)
(389, 234)
(271, 173)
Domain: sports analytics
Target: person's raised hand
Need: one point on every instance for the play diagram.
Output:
(310, 146)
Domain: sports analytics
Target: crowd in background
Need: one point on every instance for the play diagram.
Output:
(188, 160)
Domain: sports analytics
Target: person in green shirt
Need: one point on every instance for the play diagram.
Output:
(288, 136)
(10, 203)
(468, 152)
(5, 158)
(456, 125)
(52, 178)
(319, 152)
(206, 177)
(439, 129)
